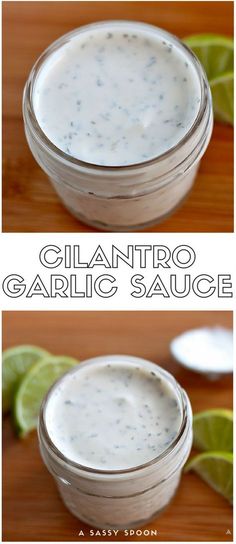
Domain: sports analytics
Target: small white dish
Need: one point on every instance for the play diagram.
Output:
(207, 350)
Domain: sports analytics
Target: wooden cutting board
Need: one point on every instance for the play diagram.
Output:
(32, 509)
(29, 202)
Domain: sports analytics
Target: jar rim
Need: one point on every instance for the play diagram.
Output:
(69, 160)
(43, 432)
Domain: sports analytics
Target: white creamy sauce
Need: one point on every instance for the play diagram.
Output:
(112, 416)
(207, 349)
(117, 95)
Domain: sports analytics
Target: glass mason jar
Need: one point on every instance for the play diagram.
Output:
(126, 498)
(121, 198)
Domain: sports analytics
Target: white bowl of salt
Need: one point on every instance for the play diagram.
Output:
(207, 350)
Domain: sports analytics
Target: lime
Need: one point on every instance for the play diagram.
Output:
(216, 54)
(216, 469)
(222, 89)
(34, 386)
(213, 430)
(15, 362)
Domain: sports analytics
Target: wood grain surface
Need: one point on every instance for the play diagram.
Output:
(32, 509)
(29, 202)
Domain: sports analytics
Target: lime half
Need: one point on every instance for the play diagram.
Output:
(213, 430)
(216, 469)
(216, 54)
(15, 362)
(34, 386)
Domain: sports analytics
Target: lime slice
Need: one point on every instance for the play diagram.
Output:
(15, 362)
(34, 386)
(216, 54)
(213, 430)
(216, 469)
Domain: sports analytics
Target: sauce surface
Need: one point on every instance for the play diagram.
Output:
(112, 416)
(117, 94)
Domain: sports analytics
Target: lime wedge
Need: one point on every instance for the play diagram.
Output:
(216, 469)
(15, 362)
(34, 386)
(213, 430)
(216, 54)
(222, 89)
